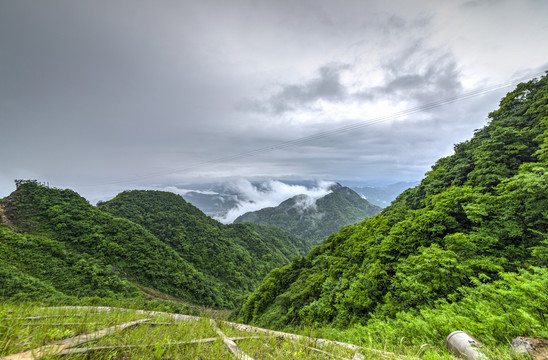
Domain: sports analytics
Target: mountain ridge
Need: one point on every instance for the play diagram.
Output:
(315, 219)
(383, 195)
(114, 253)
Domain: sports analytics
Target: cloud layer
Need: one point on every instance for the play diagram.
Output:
(103, 96)
(271, 193)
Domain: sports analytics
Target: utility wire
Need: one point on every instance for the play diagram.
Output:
(332, 132)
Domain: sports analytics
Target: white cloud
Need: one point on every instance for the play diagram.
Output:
(271, 193)
(180, 191)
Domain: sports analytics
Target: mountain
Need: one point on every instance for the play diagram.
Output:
(215, 205)
(55, 240)
(383, 195)
(466, 249)
(226, 201)
(237, 256)
(314, 220)
(218, 199)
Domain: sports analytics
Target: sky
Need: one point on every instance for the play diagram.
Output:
(101, 96)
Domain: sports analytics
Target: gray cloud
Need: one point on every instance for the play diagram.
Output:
(418, 74)
(325, 86)
(478, 3)
(101, 96)
(414, 74)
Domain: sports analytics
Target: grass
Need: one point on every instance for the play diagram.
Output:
(25, 327)
(372, 346)
(160, 337)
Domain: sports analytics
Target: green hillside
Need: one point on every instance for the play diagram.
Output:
(236, 256)
(464, 250)
(315, 221)
(58, 242)
(37, 267)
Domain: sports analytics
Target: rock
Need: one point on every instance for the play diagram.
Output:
(521, 345)
(536, 347)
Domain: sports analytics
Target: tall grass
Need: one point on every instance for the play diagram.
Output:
(25, 327)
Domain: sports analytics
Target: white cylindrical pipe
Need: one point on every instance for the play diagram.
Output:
(465, 345)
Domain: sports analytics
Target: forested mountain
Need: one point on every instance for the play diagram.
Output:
(35, 267)
(56, 242)
(314, 220)
(237, 256)
(466, 249)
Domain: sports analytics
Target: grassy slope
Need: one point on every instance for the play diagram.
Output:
(164, 336)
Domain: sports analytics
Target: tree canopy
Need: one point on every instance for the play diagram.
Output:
(140, 238)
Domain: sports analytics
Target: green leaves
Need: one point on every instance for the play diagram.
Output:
(441, 249)
(43, 263)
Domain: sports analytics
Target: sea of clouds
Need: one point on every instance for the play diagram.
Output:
(270, 193)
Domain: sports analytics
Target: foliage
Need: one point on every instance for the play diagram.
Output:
(445, 252)
(152, 239)
(19, 286)
(499, 311)
(40, 267)
(235, 256)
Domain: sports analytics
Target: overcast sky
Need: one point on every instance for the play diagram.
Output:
(104, 95)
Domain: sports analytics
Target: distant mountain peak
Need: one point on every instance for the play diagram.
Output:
(312, 218)
(335, 187)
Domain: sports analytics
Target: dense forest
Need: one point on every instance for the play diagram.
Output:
(236, 256)
(55, 244)
(466, 249)
(312, 220)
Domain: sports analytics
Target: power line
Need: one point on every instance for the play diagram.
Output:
(332, 132)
